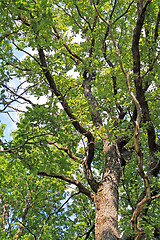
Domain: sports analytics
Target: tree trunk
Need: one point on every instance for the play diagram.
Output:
(106, 200)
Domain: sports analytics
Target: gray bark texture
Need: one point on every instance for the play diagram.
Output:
(106, 200)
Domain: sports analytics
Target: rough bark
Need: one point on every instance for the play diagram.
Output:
(106, 200)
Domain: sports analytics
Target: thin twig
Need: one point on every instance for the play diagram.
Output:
(19, 96)
(124, 12)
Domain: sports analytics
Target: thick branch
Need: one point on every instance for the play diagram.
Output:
(136, 36)
(66, 107)
(96, 118)
(87, 170)
(57, 92)
(145, 178)
(77, 183)
(138, 79)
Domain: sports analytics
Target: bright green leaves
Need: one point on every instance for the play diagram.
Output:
(2, 127)
(23, 194)
(82, 219)
(73, 38)
(37, 132)
(44, 115)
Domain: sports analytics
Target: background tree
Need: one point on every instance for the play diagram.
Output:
(87, 138)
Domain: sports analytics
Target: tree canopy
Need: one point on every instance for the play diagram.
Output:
(81, 81)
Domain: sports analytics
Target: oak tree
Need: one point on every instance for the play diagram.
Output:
(81, 80)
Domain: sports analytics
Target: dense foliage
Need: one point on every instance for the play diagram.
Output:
(81, 75)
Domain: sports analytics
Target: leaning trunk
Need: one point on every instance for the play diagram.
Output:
(106, 200)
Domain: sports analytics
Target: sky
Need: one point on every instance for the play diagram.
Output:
(5, 118)
(11, 120)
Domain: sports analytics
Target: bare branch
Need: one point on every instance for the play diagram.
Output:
(127, 79)
(7, 105)
(16, 109)
(113, 9)
(10, 117)
(104, 20)
(23, 144)
(7, 35)
(51, 213)
(107, 31)
(17, 67)
(30, 87)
